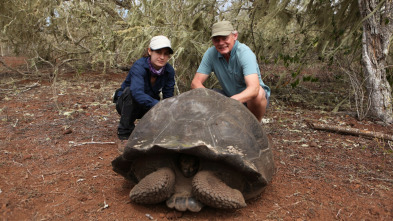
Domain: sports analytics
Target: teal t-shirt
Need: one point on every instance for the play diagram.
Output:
(231, 74)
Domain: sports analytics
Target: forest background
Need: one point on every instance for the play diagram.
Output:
(351, 38)
(328, 63)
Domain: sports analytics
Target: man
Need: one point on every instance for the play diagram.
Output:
(236, 68)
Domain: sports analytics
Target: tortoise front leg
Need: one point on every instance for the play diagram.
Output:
(155, 187)
(211, 191)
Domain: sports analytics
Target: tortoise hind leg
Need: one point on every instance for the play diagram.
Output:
(210, 190)
(154, 188)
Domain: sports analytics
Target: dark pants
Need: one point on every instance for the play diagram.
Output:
(129, 111)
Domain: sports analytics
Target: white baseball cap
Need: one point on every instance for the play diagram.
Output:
(160, 41)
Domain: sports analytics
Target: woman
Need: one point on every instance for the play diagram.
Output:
(148, 77)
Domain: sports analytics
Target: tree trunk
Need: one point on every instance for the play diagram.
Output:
(377, 33)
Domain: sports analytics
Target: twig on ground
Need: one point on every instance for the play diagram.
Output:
(105, 204)
(26, 88)
(390, 145)
(338, 213)
(380, 179)
(23, 89)
(103, 207)
(351, 131)
(91, 142)
(20, 164)
(17, 120)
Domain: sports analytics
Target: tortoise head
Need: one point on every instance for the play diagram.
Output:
(188, 165)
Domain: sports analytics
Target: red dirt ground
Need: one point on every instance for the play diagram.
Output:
(57, 142)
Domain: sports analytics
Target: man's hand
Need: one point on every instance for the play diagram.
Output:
(198, 80)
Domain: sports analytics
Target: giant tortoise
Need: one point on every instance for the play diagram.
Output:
(198, 148)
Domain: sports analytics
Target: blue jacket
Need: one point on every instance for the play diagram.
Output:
(138, 79)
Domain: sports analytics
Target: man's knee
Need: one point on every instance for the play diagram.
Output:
(258, 104)
(259, 100)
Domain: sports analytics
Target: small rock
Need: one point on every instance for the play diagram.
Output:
(82, 199)
(97, 86)
(311, 213)
(149, 216)
(68, 131)
(313, 144)
(174, 215)
(374, 211)
(27, 157)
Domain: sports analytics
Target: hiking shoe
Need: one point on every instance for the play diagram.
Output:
(123, 136)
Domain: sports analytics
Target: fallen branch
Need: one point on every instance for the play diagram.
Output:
(351, 131)
(91, 142)
(22, 89)
(12, 69)
(379, 179)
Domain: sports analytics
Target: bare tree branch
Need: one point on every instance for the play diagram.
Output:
(12, 69)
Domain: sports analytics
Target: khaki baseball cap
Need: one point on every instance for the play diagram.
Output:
(160, 41)
(222, 28)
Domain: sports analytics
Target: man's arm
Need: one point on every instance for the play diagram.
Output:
(252, 90)
(198, 80)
